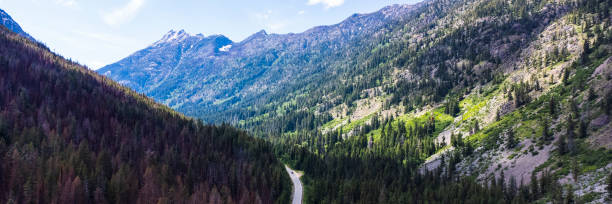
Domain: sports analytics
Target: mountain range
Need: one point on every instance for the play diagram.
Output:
(456, 87)
(194, 73)
(443, 101)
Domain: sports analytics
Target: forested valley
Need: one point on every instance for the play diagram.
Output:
(444, 101)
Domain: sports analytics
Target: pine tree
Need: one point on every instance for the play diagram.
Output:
(452, 106)
(502, 181)
(497, 115)
(551, 80)
(609, 187)
(606, 103)
(535, 190)
(557, 195)
(570, 134)
(511, 141)
(562, 145)
(546, 135)
(591, 94)
(552, 106)
(575, 169)
(511, 192)
(566, 74)
(570, 195)
(584, 56)
(582, 130)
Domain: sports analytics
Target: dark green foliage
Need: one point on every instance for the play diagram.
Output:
(372, 171)
(546, 134)
(552, 106)
(584, 56)
(591, 94)
(342, 182)
(534, 186)
(452, 106)
(457, 140)
(609, 187)
(511, 140)
(583, 130)
(562, 145)
(570, 198)
(497, 115)
(521, 94)
(570, 134)
(606, 103)
(566, 75)
(68, 135)
(350, 166)
(374, 167)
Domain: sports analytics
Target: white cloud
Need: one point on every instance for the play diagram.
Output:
(101, 37)
(94, 64)
(276, 26)
(264, 15)
(66, 3)
(302, 12)
(327, 3)
(123, 14)
(270, 21)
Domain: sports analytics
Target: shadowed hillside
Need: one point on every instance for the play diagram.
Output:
(69, 135)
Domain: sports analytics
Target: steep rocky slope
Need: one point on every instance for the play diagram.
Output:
(504, 92)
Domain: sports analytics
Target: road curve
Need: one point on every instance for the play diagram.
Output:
(297, 185)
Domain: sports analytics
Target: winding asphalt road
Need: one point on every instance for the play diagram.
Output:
(297, 185)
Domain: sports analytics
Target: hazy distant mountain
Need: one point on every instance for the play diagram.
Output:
(196, 73)
(9, 23)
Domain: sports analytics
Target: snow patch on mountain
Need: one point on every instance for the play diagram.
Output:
(225, 48)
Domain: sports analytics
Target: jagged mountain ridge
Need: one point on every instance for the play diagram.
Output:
(163, 57)
(493, 73)
(194, 72)
(8, 22)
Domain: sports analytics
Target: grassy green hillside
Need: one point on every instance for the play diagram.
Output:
(533, 111)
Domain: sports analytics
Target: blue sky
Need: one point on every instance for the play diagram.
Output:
(100, 32)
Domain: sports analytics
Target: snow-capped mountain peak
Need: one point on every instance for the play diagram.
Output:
(175, 36)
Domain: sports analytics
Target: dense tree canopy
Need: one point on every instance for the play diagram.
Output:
(69, 135)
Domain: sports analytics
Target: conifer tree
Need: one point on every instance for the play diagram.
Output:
(566, 74)
(582, 130)
(511, 141)
(534, 187)
(552, 106)
(570, 199)
(570, 134)
(609, 187)
(575, 169)
(546, 135)
(562, 145)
